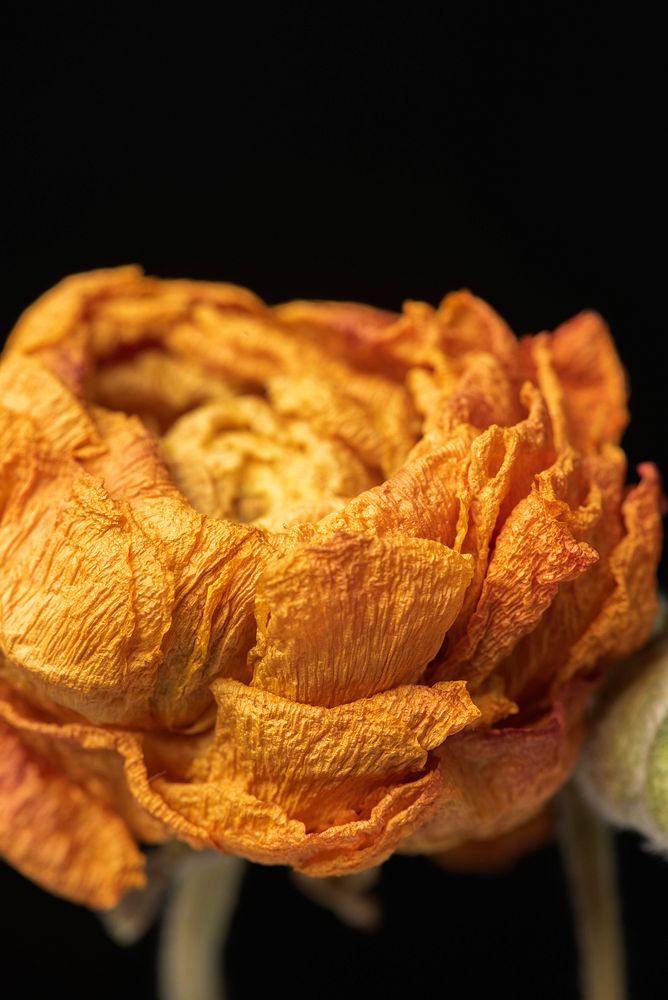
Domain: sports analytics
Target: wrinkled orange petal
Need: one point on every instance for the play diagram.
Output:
(578, 367)
(387, 603)
(468, 324)
(327, 790)
(500, 470)
(57, 419)
(162, 616)
(57, 833)
(522, 580)
(423, 499)
(594, 381)
(371, 338)
(497, 779)
(625, 619)
(366, 763)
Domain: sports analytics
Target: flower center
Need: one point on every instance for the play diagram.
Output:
(240, 459)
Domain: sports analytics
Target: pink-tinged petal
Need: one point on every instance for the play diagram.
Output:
(495, 780)
(58, 833)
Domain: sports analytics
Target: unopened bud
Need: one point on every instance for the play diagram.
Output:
(624, 767)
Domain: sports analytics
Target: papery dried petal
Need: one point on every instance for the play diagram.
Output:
(324, 789)
(56, 832)
(388, 603)
(497, 779)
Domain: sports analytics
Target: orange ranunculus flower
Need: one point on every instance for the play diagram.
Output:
(308, 584)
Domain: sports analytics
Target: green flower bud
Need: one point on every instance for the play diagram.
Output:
(624, 767)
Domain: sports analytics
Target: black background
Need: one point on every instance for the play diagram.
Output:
(373, 156)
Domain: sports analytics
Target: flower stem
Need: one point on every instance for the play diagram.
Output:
(195, 927)
(588, 855)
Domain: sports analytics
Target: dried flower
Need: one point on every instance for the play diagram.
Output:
(307, 584)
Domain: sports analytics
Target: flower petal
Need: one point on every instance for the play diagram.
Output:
(501, 469)
(327, 790)
(468, 324)
(495, 780)
(534, 553)
(423, 499)
(578, 368)
(607, 612)
(85, 601)
(56, 315)
(155, 386)
(625, 618)
(58, 833)
(372, 613)
(59, 422)
(593, 380)
(120, 601)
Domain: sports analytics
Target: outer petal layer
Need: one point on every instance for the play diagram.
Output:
(59, 834)
(327, 790)
(497, 779)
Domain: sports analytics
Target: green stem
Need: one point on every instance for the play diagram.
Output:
(588, 855)
(195, 926)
